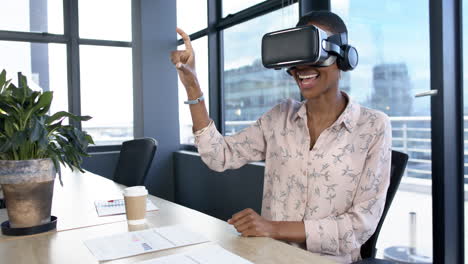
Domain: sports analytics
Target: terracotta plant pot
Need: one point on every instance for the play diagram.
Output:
(28, 187)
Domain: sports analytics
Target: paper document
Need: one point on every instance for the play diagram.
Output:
(207, 255)
(138, 242)
(116, 207)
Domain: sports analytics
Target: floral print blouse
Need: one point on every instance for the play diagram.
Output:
(337, 188)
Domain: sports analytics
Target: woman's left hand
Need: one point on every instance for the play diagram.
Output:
(250, 224)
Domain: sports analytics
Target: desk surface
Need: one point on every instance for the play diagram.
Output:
(78, 221)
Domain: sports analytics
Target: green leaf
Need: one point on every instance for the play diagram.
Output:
(55, 159)
(39, 133)
(32, 98)
(36, 130)
(9, 128)
(18, 139)
(63, 114)
(3, 89)
(3, 116)
(43, 104)
(75, 138)
(55, 126)
(9, 109)
(19, 95)
(2, 80)
(89, 138)
(5, 146)
(10, 88)
(23, 83)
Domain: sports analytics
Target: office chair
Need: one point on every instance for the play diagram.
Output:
(134, 161)
(398, 165)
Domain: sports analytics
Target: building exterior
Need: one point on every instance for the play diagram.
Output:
(391, 89)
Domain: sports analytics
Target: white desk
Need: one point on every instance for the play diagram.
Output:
(78, 221)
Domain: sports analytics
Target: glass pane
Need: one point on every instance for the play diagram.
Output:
(192, 15)
(107, 93)
(249, 88)
(389, 73)
(105, 19)
(201, 60)
(232, 7)
(32, 16)
(44, 65)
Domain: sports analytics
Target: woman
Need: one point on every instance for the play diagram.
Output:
(327, 159)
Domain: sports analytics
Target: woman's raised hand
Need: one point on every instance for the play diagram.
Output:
(184, 61)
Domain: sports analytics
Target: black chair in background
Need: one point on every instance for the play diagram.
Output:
(135, 160)
(398, 165)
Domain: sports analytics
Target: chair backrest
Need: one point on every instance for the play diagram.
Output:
(135, 160)
(398, 165)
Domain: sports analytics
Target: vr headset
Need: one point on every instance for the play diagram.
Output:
(307, 45)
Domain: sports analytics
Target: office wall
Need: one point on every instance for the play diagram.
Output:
(219, 194)
(155, 88)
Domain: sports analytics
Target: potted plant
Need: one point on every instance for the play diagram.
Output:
(32, 146)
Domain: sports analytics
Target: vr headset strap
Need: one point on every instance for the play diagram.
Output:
(339, 39)
(334, 43)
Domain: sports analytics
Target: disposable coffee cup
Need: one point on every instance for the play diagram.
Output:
(135, 204)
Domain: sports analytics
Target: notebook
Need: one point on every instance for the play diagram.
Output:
(116, 207)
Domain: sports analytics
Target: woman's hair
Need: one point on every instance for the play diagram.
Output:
(327, 19)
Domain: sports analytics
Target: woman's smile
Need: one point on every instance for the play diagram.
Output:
(307, 78)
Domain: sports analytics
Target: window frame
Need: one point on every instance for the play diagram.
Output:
(71, 39)
(446, 51)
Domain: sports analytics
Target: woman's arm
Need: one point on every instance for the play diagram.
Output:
(184, 60)
(250, 224)
(335, 235)
(218, 152)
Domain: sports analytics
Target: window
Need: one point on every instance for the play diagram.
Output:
(105, 61)
(232, 7)
(191, 15)
(200, 47)
(191, 23)
(105, 19)
(106, 80)
(44, 65)
(106, 93)
(389, 73)
(249, 88)
(32, 16)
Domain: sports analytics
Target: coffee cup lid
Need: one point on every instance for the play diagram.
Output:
(135, 191)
